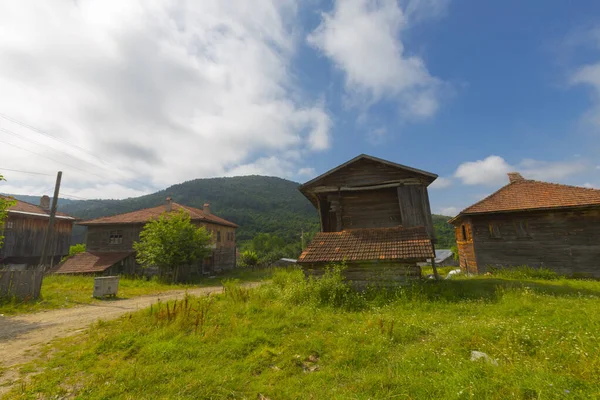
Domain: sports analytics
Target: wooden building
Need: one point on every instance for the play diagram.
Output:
(532, 223)
(24, 230)
(109, 242)
(375, 217)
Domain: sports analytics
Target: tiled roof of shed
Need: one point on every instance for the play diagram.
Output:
(91, 262)
(524, 194)
(369, 244)
(145, 215)
(24, 207)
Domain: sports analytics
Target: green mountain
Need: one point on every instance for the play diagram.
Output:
(258, 204)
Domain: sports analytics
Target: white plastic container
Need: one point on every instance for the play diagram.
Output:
(106, 286)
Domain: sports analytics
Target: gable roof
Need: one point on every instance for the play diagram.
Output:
(369, 244)
(25, 208)
(91, 262)
(145, 215)
(429, 175)
(527, 195)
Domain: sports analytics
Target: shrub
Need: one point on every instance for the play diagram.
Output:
(329, 290)
(248, 258)
(74, 249)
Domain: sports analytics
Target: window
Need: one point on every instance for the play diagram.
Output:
(464, 232)
(218, 236)
(494, 230)
(116, 237)
(9, 224)
(522, 228)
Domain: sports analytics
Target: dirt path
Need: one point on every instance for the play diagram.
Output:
(22, 336)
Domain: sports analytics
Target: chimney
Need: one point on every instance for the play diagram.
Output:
(169, 204)
(515, 177)
(45, 203)
(206, 208)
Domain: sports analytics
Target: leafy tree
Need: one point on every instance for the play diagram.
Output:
(5, 203)
(170, 242)
(248, 258)
(74, 249)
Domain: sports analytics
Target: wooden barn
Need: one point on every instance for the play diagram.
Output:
(109, 242)
(532, 223)
(24, 230)
(375, 217)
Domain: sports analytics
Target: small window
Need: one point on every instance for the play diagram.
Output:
(218, 236)
(494, 230)
(464, 232)
(522, 228)
(9, 224)
(116, 237)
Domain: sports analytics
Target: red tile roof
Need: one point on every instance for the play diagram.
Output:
(24, 207)
(369, 244)
(524, 194)
(145, 215)
(91, 262)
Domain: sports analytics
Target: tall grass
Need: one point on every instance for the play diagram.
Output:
(298, 338)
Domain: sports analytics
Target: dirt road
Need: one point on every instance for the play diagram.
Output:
(22, 336)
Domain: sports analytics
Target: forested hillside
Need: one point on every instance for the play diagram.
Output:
(259, 204)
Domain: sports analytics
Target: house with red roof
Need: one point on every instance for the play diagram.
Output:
(24, 231)
(109, 242)
(532, 223)
(375, 217)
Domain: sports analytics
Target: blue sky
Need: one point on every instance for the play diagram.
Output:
(128, 99)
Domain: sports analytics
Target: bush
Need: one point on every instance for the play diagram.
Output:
(329, 290)
(525, 272)
(248, 258)
(74, 249)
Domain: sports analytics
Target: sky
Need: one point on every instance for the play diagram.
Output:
(127, 98)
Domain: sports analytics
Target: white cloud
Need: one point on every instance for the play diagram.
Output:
(448, 211)
(590, 186)
(362, 38)
(490, 170)
(164, 91)
(589, 75)
(307, 172)
(441, 183)
(377, 136)
(493, 169)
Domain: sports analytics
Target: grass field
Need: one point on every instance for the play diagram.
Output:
(63, 291)
(292, 339)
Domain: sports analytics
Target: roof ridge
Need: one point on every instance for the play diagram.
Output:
(561, 185)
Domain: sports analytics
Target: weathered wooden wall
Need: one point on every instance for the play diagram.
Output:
(367, 172)
(372, 273)
(370, 209)
(98, 237)
(25, 239)
(21, 284)
(567, 242)
(466, 249)
(414, 207)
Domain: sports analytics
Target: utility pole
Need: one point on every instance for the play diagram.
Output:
(302, 237)
(50, 229)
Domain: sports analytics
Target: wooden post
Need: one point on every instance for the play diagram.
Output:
(435, 272)
(50, 229)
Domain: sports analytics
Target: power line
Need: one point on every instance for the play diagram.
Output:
(51, 159)
(19, 136)
(41, 132)
(25, 172)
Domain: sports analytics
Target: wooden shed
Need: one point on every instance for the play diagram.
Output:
(24, 231)
(532, 223)
(375, 216)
